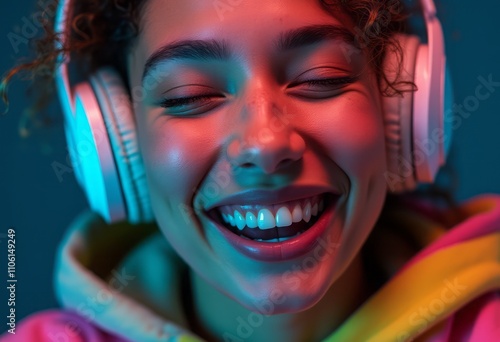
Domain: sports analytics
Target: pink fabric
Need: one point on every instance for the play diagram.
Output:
(478, 225)
(479, 320)
(58, 326)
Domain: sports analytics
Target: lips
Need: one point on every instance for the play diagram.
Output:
(265, 226)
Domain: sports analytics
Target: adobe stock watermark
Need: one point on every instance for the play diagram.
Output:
(245, 326)
(430, 311)
(33, 25)
(453, 117)
(94, 305)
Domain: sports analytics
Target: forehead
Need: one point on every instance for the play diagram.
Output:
(242, 23)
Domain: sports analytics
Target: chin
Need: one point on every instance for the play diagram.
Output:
(295, 289)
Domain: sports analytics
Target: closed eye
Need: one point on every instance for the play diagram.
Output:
(327, 82)
(191, 105)
(320, 88)
(184, 101)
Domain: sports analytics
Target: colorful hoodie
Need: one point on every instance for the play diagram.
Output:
(115, 283)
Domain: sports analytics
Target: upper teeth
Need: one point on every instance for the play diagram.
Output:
(268, 217)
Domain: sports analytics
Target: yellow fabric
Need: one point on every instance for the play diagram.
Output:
(395, 313)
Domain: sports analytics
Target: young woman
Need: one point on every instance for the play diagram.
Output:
(261, 139)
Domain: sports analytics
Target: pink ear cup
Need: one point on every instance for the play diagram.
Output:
(417, 134)
(398, 111)
(428, 109)
(92, 156)
(104, 150)
(118, 116)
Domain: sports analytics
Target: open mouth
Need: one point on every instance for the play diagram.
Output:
(272, 223)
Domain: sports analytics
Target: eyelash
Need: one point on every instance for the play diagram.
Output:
(339, 81)
(326, 82)
(182, 101)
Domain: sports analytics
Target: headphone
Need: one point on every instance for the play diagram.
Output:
(102, 143)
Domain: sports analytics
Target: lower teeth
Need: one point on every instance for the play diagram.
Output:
(281, 239)
(287, 238)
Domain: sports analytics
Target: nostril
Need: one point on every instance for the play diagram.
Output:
(284, 163)
(246, 165)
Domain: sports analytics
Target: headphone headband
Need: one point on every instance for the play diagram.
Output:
(434, 101)
(433, 26)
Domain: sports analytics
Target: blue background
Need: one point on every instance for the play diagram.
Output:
(40, 206)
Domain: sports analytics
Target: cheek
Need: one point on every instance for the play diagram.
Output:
(353, 135)
(363, 147)
(176, 156)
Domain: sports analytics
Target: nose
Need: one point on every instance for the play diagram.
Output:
(264, 139)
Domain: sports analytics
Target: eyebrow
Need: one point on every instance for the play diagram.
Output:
(218, 50)
(312, 34)
(187, 49)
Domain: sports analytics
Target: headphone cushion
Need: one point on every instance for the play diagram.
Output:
(118, 116)
(398, 116)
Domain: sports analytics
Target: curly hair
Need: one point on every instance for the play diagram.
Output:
(102, 30)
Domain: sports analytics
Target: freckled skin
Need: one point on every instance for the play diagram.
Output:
(260, 133)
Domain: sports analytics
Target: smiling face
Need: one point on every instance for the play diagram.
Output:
(253, 116)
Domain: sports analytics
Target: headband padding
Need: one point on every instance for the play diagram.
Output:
(398, 111)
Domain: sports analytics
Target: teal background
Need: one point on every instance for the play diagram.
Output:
(39, 206)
